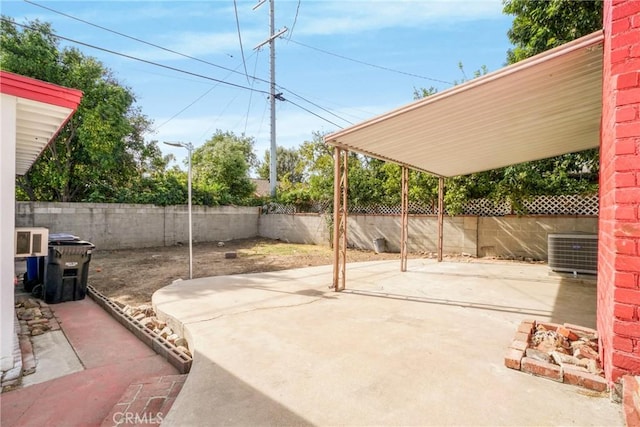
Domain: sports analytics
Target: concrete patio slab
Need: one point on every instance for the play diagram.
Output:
(424, 347)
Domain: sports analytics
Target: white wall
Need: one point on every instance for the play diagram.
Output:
(7, 226)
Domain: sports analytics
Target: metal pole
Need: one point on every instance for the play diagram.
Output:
(440, 216)
(273, 177)
(336, 216)
(189, 149)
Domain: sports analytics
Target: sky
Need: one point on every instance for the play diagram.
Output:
(339, 62)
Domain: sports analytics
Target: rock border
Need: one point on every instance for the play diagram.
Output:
(180, 360)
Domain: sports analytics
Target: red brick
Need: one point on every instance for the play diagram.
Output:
(542, 369)
(626, 247)
(525, 327)
(519, 345)
(627, 229)
(626, 114)
(153, 406)
(130, 393)
(627, 296)
(617, 373)
(521, 336)
(627, 329)
(627, 163)
(620, 55)
(570, 335)
(622, 344)
(620, 25)
(627, 65)
(629, 403)
(624, 39)
(583, 329)
(624, 10)
(624, 311)
(549, 326)
(626, 212)
(624, 81)
(585, 379)
(634, 52)
(624, 179)
(626, 146)
(628, 263)
(627, 129)
(626, 361)
(635, 21)
(628, 195)
(512, 358)
(627, 96)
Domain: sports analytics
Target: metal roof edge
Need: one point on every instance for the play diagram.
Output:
(587, 41)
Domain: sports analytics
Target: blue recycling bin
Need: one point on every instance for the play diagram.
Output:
(35, 272)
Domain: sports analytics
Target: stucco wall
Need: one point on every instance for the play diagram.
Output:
(117, 226)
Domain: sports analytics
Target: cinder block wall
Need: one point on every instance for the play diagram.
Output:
(526, 236)
(119, 226)
(460, 233)
(299, 228)
(619, 237)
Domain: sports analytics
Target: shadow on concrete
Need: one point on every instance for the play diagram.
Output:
(575, 301)
(456, 303)
(236, 402)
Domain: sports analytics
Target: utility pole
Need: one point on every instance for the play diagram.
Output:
(272, 91)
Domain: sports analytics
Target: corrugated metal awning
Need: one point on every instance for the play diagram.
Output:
(541, 107)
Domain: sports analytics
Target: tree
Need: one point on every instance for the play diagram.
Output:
(221, 169)
(542, 25)
(539, 26)
(96, 152)
(289, 165)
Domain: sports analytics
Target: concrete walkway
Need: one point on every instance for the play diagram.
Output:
(424, 347)
(111, 358)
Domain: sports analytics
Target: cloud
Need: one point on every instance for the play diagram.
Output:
(349, 17)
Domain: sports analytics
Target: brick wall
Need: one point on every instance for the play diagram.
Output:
(619, 224)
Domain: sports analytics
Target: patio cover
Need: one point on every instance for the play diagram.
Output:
(544, 106)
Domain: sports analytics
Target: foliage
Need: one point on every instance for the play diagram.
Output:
(542, 25)
(288, 163)
(97, 153)
(220, 170)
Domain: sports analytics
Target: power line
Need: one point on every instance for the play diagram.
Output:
(295, 19)
(369, 64)
(141, 41)
(113, 52)
(244, 63)
(317, 115)
(176, 52)
(315, 105)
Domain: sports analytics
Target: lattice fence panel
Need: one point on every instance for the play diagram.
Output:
(561, 205)
(486, 207)
(540, 205)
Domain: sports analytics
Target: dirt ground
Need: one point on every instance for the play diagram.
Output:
(131, 276)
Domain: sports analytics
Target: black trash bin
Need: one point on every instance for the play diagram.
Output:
(67, 268)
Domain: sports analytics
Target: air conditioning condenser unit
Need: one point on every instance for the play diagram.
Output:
(573, 252)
